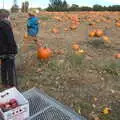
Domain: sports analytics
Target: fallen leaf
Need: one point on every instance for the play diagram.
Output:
(79, 110)
(106, 110)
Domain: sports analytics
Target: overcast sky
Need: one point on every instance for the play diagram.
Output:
(44, 3)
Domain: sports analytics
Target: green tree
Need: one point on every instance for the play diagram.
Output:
(64, 6)
(98, 8)
(15, 8)
(74, 7)
(85, 8)
(57, 5)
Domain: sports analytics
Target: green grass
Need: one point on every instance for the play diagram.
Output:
(76, 60)
(112, 67)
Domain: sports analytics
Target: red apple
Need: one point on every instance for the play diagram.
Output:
(12, 101)
(2, 105)
(14, 105)
(7, 106)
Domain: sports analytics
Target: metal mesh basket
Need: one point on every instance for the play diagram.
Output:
(43, 107)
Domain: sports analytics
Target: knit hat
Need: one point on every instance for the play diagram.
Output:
(4, 13)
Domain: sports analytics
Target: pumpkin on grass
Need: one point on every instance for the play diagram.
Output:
(75, 47)
(99, 33)
(117, 56)
(25, 36)
(55, 30)
(73, 27)
(117, 24)
(65, 29)
(44, 53)
(80, 52)
(106, 39)
(92, 34)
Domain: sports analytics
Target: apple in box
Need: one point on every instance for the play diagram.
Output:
(2, 105)
(13, 103)
(9, 105)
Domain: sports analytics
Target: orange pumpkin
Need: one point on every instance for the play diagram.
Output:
(44, 53)
(118, 24)
(106, 39)
(65, 29)
(25, 36)
(99, 33)
(92, 34)
(58, 18)
(117, 56)
(80, 52)
(55, 30)
(73, 27)
(75, 47)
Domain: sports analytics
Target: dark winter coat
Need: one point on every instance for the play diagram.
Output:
(7, 43)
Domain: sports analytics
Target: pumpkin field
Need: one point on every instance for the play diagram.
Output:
(76, 60)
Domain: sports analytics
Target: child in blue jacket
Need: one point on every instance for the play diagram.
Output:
(32, 25)
(32, 29)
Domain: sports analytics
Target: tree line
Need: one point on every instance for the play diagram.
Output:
(62, 5)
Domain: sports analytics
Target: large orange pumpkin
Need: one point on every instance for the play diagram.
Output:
(44, 53)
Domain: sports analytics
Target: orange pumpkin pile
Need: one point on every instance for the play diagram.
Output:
(44, 53)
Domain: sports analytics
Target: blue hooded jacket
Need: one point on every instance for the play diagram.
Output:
(32, 26)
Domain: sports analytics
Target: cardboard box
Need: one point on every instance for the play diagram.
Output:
(19, 113)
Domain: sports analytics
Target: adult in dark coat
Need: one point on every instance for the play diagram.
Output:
(8, 50)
